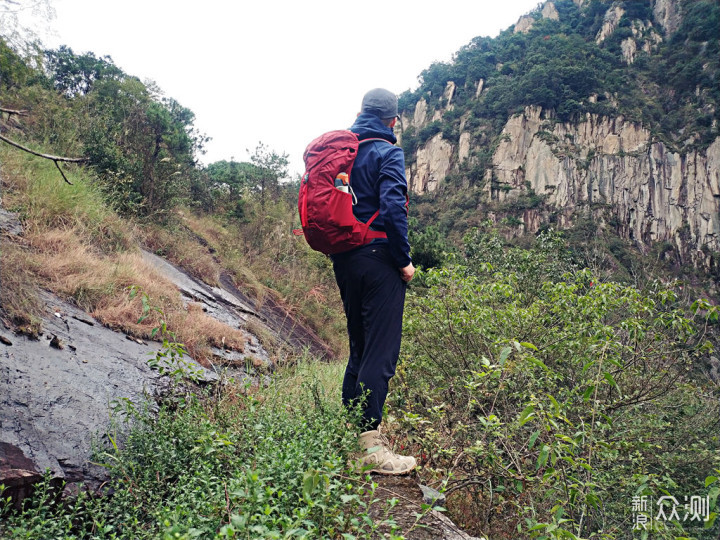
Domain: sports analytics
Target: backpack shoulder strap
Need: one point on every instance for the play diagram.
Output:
(375, 139)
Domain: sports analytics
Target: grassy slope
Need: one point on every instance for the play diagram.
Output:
(76, 246)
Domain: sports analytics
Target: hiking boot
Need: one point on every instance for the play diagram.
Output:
(377, 453)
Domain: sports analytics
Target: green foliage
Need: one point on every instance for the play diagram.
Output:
(74, 74)
(270, 168)
(429, 248)
(141, 145)
(547, 259)
(238, 468)
(14, 71)
(550, 398)
(51, 203)
(555, 71)
(428, 132)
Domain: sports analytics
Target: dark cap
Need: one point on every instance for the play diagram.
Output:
(380, 102)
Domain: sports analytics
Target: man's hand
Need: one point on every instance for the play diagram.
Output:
(407, 273)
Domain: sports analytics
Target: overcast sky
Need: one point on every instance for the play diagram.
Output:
(277, 71)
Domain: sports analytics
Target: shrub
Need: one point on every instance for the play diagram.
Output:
(246, 466)
(551, 403)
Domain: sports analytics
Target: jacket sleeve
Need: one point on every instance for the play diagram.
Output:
(393, 205)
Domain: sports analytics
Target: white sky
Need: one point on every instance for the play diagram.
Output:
(277, 71)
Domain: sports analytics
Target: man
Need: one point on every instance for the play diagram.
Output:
(373, 278)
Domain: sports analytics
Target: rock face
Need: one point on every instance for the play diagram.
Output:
(629, 48)
(667, 13)
(549, 11)
(18, 471)
(612, 19)
(54, 400)
(56, 392)
(524, 24)
(432, 164)
(653, 194)
(646, 189)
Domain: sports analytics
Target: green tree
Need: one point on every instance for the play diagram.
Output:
(231, 183)
(270, 168)
(14, 71)
(429, 247)
(74, 74)
(143, 146)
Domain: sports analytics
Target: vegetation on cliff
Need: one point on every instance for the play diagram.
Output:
(558, 64)
(582, 63)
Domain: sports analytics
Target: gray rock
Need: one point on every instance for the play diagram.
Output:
(53, 401)
(233, 307)
(432, 496)
(10, 223)
(57, 392)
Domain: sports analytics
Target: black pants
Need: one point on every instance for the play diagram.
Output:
(373, 295)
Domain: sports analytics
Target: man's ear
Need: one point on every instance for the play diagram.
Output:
(392, 124)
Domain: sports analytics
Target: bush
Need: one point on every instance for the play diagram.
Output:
(270, 466)
(551, 403)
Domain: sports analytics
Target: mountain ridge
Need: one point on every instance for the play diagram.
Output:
(566, 105)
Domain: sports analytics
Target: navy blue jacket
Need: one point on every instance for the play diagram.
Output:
(378, 180)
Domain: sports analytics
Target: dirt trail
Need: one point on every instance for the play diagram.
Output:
(430, 525)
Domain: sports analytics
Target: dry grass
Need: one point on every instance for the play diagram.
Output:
(245, 279)
(83, 251)
(78, 248)
(199, 331)
(19, 301)
(101, 286)
(265, 258)
(208, 228)
(183, 250)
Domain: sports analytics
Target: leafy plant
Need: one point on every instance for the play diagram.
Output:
(266, 465)
(550, 398)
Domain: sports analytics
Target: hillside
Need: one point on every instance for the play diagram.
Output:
(556, 381)
(584, 113)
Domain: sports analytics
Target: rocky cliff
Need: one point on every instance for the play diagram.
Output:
(646, 186)
(612, 166)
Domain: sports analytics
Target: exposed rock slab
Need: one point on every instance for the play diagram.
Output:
(236, 309)
(55, 399)
(667, 13)
(10, 223)
(432, 165)
(610, 22)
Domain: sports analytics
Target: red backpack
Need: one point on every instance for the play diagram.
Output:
(326, 211)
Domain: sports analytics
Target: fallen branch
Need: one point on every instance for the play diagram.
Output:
(13, 111)
(54, 159)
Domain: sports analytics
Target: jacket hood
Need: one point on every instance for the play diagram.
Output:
(369, 126)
